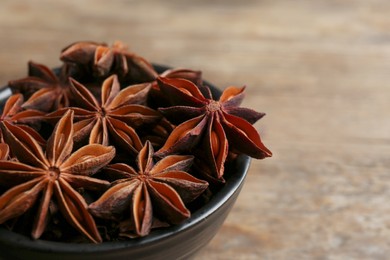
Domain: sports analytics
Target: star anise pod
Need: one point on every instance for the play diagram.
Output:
(44, 89)
(104, 61)
(158, 99)
(53, 175)
(14, 113)
(114, 117)
(215, 125)
(156, 189)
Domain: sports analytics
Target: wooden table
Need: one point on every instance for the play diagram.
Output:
(319, 69)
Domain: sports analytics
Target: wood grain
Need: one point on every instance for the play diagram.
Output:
(319, 69)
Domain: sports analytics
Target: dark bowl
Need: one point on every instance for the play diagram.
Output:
(176, 242)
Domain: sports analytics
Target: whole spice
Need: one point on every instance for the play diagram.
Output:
(43, 88)
(98, 167)
(114, 117)
(158, 99)
(53, 174)
(103, 61)
(154, 190)
(14, 113)
(214, 125)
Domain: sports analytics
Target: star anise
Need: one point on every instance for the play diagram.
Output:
(104, 61)
(14, 114)
(44, 89)
(217, 125)
(107, 105)
(160, 190)
(158, 99)
(53, 176)
(114, 117)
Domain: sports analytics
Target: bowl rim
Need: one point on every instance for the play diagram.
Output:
(231, 186)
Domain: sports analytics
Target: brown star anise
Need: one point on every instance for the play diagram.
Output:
(159, 190)
(108, 105)
(158, 99)
(14, 114)
(44, 89)
(53, 175)
(113, 118)
(218, 125)
(104, 61)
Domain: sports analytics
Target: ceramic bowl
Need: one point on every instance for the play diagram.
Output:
(181, 241)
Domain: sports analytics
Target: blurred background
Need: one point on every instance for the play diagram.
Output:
(319, 69)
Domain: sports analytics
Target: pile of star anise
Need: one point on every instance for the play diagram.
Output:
(105, 147)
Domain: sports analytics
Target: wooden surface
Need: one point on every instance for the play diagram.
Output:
(319, 69)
